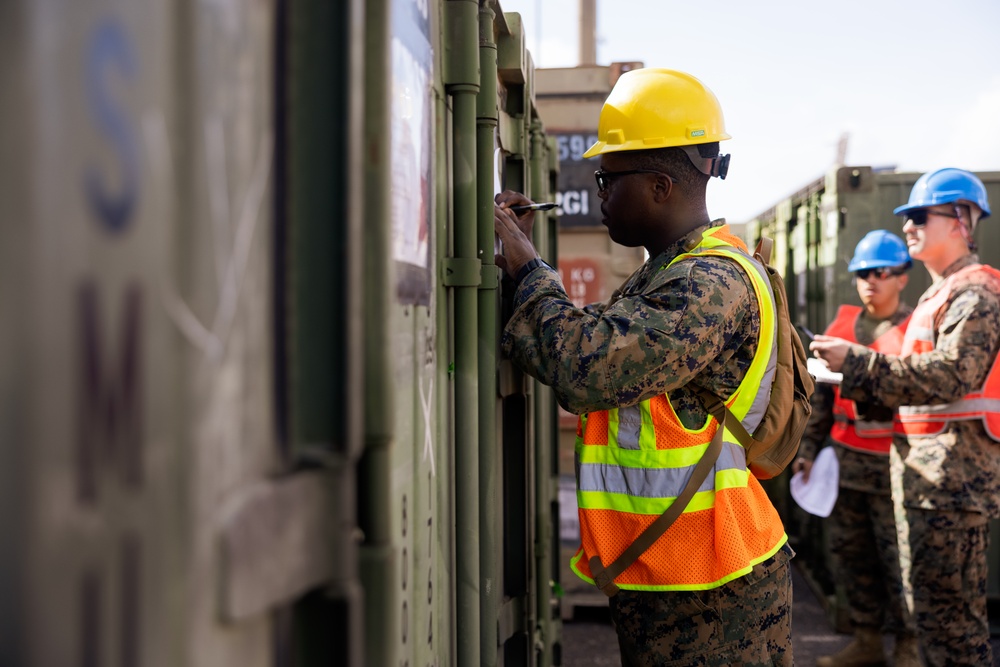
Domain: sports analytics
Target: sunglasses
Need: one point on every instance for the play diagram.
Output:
(882, 273)
(919, 218)
(604, 177)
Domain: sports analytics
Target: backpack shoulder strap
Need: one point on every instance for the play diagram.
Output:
(763, 250)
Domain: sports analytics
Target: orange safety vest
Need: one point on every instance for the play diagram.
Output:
(633, 461)
(982, 404)
(851, 432)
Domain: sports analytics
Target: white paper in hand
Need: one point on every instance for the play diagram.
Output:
(818, 495)
(819, 371)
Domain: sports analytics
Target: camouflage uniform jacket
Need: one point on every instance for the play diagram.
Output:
(958, 469)
(696, 321)
(859, 471)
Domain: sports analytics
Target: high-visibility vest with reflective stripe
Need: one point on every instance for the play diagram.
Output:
(982, 404)
(851, 432)
(632, 462)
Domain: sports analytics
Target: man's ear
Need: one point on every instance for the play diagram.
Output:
(662, 187)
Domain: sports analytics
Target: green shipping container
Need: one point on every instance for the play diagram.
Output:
(253, 407)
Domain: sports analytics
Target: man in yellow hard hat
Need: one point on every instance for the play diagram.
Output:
(715, 587)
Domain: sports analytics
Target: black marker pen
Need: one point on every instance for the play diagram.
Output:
(546, 206)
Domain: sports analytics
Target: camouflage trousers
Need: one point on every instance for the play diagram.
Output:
(745, 622)
(944, 556)
(862, 533)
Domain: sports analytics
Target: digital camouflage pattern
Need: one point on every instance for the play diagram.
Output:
(949, 481)
(862, 528)
(694, 322)
(746, 622)
(948, 567)
(863, 545)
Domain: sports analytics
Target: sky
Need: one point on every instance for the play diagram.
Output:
(913, 84)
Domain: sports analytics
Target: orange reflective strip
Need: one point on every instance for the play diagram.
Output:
(843, 406)
(843, 323)
(596, 430)
(891, 342)
(723, 235)
(848, 436)
(662, 412)
(928, 420)
(919, 428)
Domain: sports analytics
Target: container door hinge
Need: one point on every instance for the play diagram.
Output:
(461, 272)
(491, 277)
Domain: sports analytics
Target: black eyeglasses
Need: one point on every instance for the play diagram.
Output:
(882, 273)
(604, 177)
(919, 217)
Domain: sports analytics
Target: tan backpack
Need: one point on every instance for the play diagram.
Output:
(769, 450)
(775, 442)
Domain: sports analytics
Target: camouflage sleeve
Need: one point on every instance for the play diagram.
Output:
(595, 308)
(966, 343)
(644, 343)
(820, 422)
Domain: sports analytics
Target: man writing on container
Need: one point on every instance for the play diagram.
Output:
(715, 588)
(944, 462)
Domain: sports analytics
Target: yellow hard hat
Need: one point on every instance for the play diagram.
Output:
(657, 108)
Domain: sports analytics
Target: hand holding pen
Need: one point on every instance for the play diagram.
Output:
(521, 206)
(543, 206)
(513, 226)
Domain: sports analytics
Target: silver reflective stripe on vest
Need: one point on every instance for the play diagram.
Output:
(654, 482)
(629, 427)
(970, 408)
(864, 427)
(920, 333)
(763, 396)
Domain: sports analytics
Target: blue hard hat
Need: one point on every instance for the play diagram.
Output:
(946, 186)
(877, 249)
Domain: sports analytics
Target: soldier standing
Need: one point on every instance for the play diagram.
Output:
(861, 527)
(715, 589)
(944, 465)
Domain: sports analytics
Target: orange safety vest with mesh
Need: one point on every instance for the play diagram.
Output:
(851, 432)
(632, 462)
(982, 404)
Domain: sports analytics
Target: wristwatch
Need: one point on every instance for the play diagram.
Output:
(528, 268)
